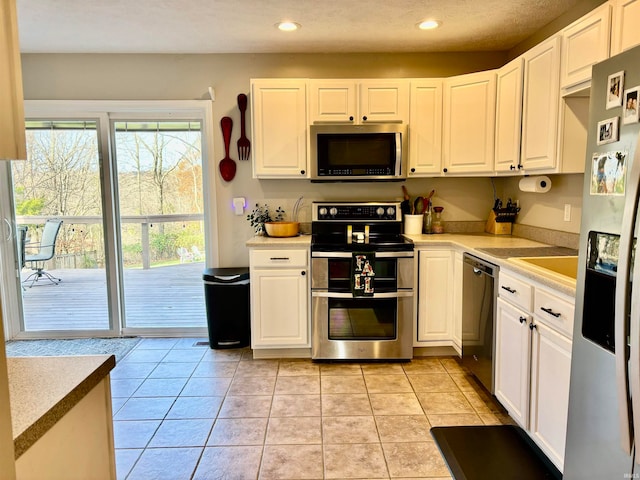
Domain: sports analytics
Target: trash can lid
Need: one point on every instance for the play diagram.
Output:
(226, 275)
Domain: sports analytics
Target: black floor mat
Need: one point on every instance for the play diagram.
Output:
(500, 452)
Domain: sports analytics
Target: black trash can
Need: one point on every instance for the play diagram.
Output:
(226, 294)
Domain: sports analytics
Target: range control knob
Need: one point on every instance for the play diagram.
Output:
(391, 211)
(333, 211)
(380, 211)
(322, 211)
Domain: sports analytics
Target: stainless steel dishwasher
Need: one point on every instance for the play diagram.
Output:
(478, 307)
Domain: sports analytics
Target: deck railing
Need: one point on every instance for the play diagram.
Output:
(145, 221)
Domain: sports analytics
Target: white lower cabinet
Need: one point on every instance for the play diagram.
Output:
(279, 299)
(550, 372)
(513, 358)
(435, 298)
(533, 360)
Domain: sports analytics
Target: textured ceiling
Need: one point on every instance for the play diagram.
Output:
(247, 26)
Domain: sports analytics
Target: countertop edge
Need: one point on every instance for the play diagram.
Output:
(44, 423)
(461, 241)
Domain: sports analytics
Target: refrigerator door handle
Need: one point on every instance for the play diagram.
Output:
(622, 309)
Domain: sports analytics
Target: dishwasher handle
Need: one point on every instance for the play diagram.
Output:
(480, 266)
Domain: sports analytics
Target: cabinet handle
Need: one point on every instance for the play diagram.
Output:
(302, 172)
(550, 312)
(279, 258)
(303, 273)
(413, 170)
(523, 319)
(351, 118)
(444, 170)
(532, 326)
(512, 167)
(520, 166)
(510, 290)
(364, 119)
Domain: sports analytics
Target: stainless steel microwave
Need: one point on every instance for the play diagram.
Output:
(358, 152)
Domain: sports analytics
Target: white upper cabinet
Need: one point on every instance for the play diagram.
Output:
(384, 101)
(625, 32)
(508, 116)
(425, 128)
(280, 128)
(585, 43)
(333, 101)
(359, 101)
(540, 106)
(469, 123)
(12, 138)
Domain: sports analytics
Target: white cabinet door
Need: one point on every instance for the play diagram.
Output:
(540, 105)
(457, 301)
(384, 101)
(425, 128)
(469, 123)
(508, 117)
(585, 43)
(333, 101)
(279, 125)
(279, 308)
(550, 372)
(435, 277)
(625, 32)
(512, 361)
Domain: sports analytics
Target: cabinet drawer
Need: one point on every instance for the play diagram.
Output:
(554, 311)
(515, 291)
(279, 258)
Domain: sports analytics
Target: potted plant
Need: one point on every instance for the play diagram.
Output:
(261, 215)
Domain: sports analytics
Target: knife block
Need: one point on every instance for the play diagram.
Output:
(495, 227)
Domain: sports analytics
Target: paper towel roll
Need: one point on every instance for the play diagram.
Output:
(537, 184)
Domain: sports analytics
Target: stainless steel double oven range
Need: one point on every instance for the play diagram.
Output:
(362, 276)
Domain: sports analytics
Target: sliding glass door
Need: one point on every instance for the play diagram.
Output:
(159, 170)
(57, 197)
(106, 230)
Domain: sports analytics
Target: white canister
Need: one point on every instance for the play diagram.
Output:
(413, 224)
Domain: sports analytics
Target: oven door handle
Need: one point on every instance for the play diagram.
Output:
(408, 254)
(401, 293)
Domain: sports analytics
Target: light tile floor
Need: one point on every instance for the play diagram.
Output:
(188, 412)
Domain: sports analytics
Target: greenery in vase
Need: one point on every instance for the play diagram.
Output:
(261, 214)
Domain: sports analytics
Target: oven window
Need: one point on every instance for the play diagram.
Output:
(363, 319)
(340, 275)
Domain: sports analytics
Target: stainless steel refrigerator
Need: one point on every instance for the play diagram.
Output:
(604, 398)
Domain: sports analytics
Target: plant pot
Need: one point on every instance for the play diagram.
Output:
(282, 229)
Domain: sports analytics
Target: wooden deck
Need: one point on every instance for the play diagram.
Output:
(171, 296)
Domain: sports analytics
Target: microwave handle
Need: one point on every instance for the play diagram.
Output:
(398, 161)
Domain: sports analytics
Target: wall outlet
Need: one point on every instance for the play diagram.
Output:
(567, 212)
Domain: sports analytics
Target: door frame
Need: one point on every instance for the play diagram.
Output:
(104, 111)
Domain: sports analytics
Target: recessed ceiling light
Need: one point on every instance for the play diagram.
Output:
(428, 25)
(288, 26)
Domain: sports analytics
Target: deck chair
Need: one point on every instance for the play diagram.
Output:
(45, 251)
(184, 255)
(197, 254)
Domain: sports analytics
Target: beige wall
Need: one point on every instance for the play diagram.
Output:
(163, 77)
(547, 209)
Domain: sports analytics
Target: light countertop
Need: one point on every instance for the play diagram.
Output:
(464, 242)
(43, 389)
